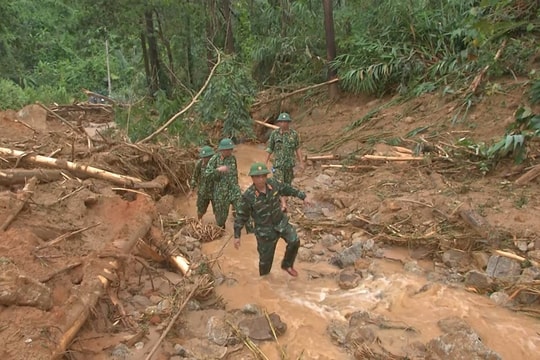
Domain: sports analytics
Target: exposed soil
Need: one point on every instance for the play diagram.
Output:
(101, 292)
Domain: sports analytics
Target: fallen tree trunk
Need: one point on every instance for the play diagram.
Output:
(23, 198)
(159, 183)
(271, 126)
(295, 92)
(90, 171)
(19, 176)
(97, 274)
(348, 167)
(529, 175)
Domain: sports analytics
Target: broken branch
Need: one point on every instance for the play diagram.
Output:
(23, 198)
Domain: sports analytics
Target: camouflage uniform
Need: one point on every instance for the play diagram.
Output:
(284, 145)
(205, 188)
(226, 188)
(270, 222)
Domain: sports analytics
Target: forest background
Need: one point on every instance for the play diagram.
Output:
(154, 56)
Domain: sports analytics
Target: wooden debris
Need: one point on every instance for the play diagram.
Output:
(478, 78)
(295, 92)
(390, 158)
(20, 176)
(529, 175)
(68, 165)
(348, 167)
(65, 236)
(271, 126)
(323, 157)
(175, 317)
(515, 257)
(22, 198)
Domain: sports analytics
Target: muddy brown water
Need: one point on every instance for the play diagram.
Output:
(307, 305)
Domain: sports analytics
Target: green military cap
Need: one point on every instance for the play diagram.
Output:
(206, 151)
(284, 117)
(225, 144)
(258, 169)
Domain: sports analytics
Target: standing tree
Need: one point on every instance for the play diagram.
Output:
(333, 89)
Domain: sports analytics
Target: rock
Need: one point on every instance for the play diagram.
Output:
(521, 245)
(500, 298)
(459, 341)
(338, 331)
(348, 279)
(413, 267)
(257, 328)
(534, 255)
(308, 245)
(18, 289)
(478, 280)
(528, 276)
(165, 205)
(348, 256)
(324, 179)
(173, 277)
(456, 259)
(305, 255)
(362, 334)
(141, 301)
(193, 305)
(480, 258)
(252, 309)
(121, 352)
(328, 240)
(501, 267)
(35, 116)
(218, 331)
(181, 351)
(205, 349)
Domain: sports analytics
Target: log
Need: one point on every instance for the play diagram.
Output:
(529, 175)
(389, 158)
(348, 167)
(22, 198)
(95, 283)
(271, 126)
(19, 176)
(323, 157)
(68, 165)
(159, 183)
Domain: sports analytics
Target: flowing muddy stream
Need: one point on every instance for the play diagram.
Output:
(307, 304)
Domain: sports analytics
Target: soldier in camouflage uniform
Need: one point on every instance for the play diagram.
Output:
(261, 201)
(284, 144)
(202, 182)
(222, 170)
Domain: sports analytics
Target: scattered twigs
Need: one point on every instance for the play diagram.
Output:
(65, 236)
(259, 354)
(281, 350)
(22, 198)
(59, 271)
(175, 317)
(68, 165)
(68, 195)
(193, 101)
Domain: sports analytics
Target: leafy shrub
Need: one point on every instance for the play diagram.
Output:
(12, 96)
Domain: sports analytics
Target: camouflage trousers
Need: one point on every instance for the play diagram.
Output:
(284, 174)
(202, 206)
(221, 210)
(266, 247)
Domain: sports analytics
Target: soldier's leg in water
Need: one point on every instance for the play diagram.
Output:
(221, 211)
(202, 206)
(293, 244)
(287, 175)
(266, 250)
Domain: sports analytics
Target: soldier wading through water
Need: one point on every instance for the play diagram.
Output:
(223, 171)
(261, 201)
(202, 182)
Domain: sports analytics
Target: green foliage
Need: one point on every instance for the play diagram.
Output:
(534, 92)
(11, 95)
(514, 142)
(228, 99)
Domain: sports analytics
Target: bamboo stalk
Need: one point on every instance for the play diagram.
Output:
(389, 158)
(323, 157)
(271, 126)
(348, 167)
(68, 165)
(295, 92)
(515, 257)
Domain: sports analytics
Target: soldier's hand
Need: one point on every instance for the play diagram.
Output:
(237, 243)
(223, 168)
